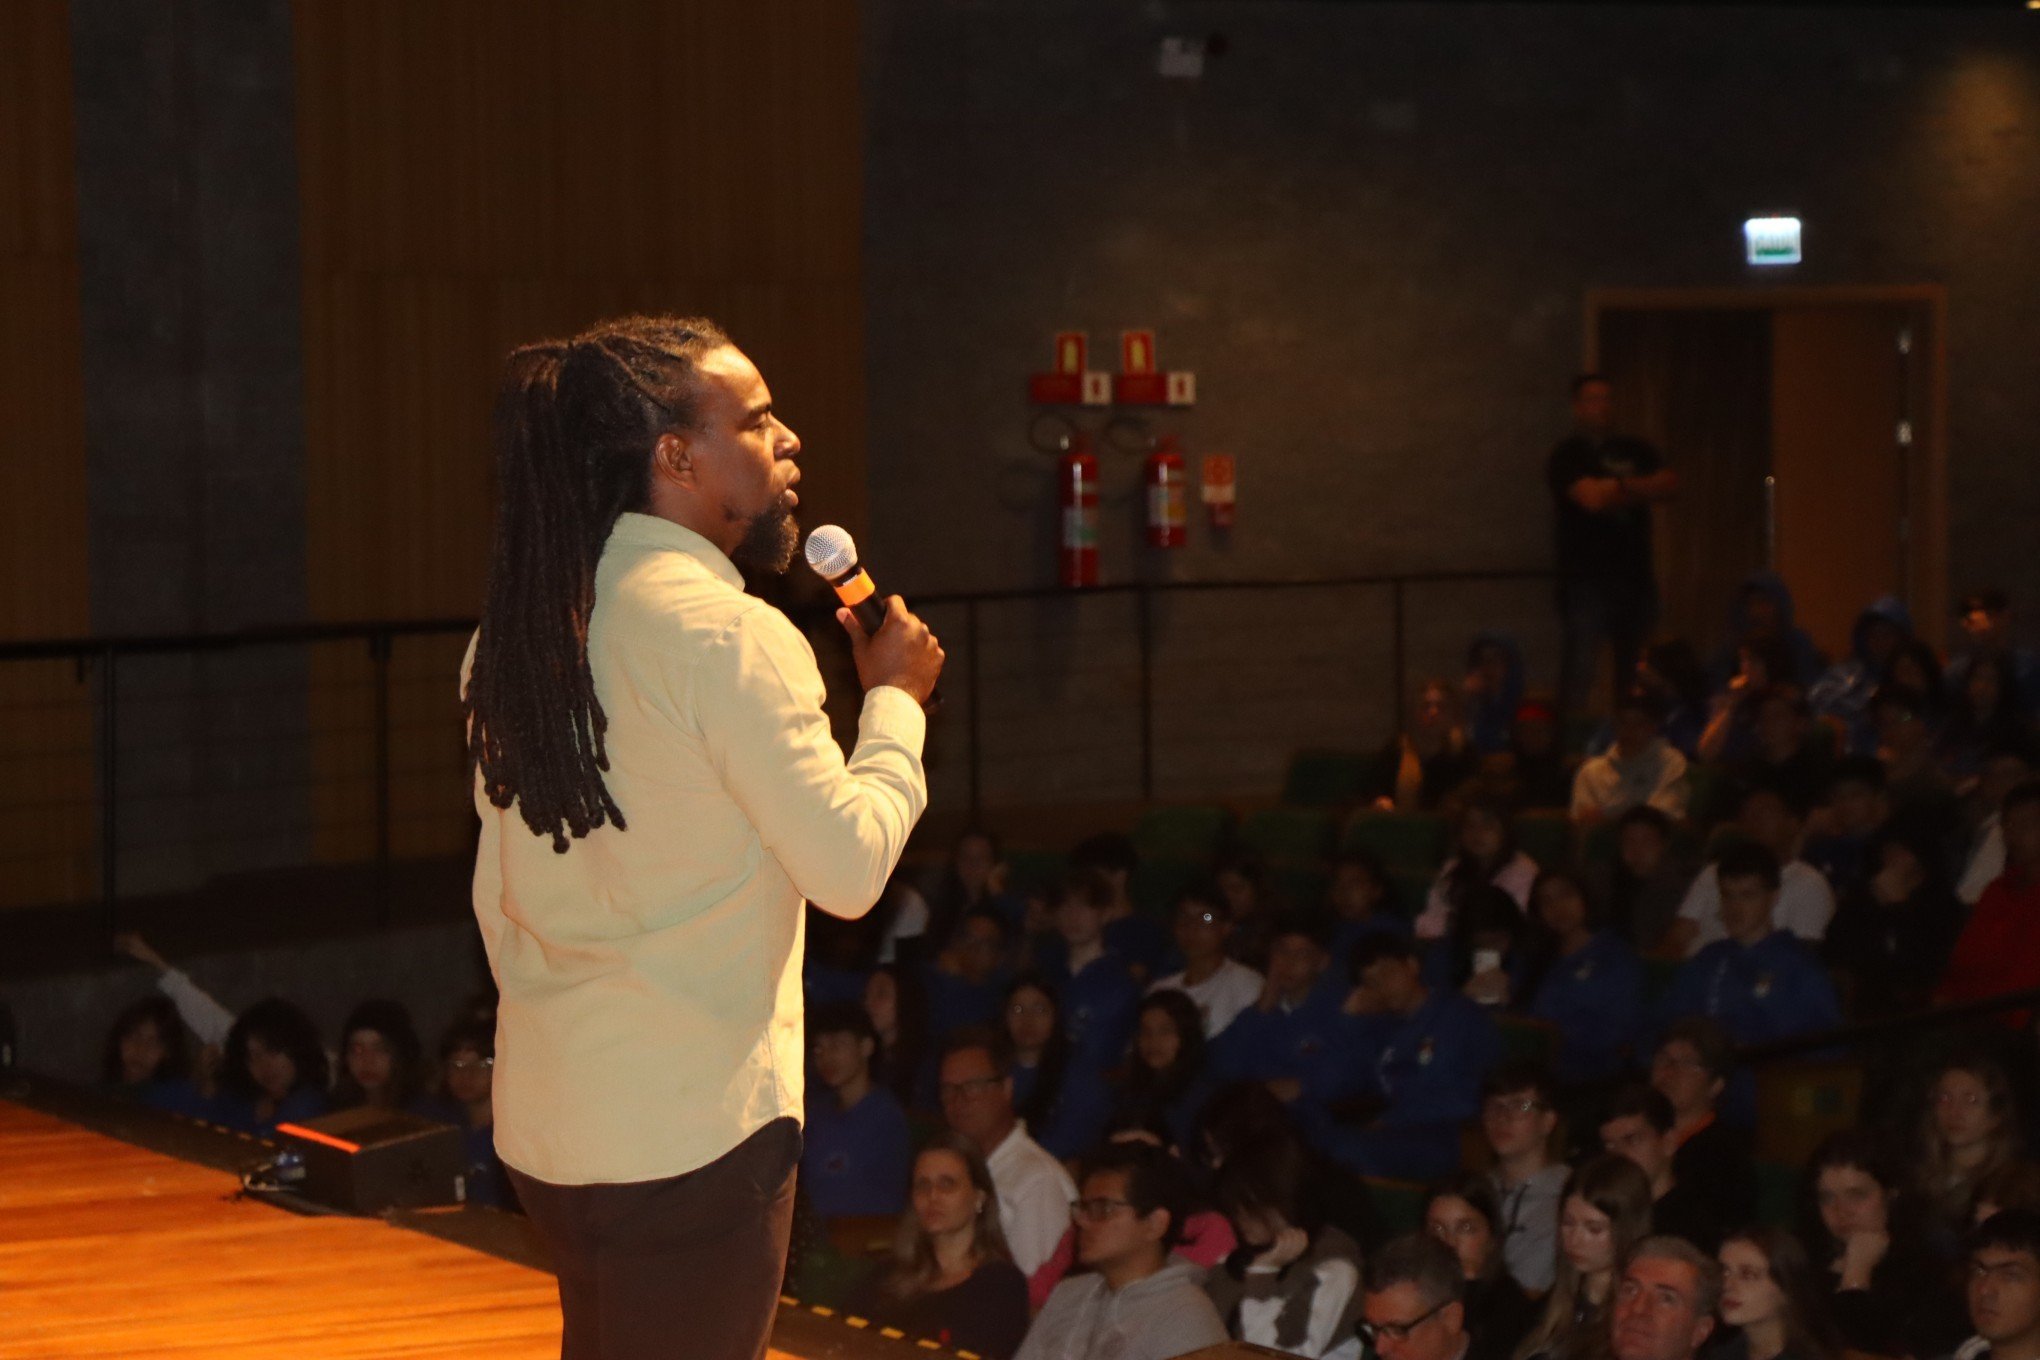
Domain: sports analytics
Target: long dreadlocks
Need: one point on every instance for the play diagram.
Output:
(574, 429)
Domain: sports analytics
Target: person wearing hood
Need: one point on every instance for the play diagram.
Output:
(1602, 486)
(1134, 1302)
(1494, 691)
(1842, 695)
(1763, 613)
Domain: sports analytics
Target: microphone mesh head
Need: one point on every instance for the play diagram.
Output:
(830, 551)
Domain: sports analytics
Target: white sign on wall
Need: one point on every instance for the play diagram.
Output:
(1772, 240)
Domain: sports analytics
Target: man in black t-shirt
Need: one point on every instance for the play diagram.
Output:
(1602, 484)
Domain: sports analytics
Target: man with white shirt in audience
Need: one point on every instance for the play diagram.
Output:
(1805, 905)
(1035, 1193)
(1221, 986)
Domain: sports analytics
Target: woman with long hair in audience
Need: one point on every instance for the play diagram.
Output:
(148, 1059)
(1064, 1103)
(951, 1278)
(1464, 1214)
(1484, 854)
(1165, 1085)
(1294, 1281)
(1603, 1211)
(1886, 1292)
(1585, 980)
(381, 1061)
(466, 1099)
(1969, 1129)
(1771, 1296)
(894, 1000)
(1430, 757)
(273, 1071)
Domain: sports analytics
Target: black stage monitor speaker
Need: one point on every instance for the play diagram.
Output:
(367, 1160)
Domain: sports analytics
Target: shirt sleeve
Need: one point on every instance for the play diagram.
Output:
(1034, 1225)
(836, 827)
(208, 1019)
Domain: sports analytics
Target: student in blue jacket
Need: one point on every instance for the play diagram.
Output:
(1066, 1103)
(1095, 991)
(1589, 982)
(857, 1152)
(1760, 983)
(1417, 1053)
(1286, 1038)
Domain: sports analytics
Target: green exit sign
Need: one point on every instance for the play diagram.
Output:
(1772, 240)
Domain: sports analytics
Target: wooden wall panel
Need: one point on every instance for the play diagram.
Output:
(45, 711)
(475, 175)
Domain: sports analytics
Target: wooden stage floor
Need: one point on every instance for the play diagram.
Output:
(110, 1250)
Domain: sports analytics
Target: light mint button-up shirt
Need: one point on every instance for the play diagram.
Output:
(651, 1012)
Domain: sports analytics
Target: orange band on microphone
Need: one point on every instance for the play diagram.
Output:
(856, 590)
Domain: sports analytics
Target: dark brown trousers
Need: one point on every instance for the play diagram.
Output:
(686, 1266)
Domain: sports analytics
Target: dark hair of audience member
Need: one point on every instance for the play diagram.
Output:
(1477, 1193)
(1711, 1046)
(1675, 663)
(474, 1037)
(1914, 666)
(951, 897)
(1853, 1150)
(1154, 1181)
(284, 1028)
(1238, 1119)
(1372, 949)
(897, 1063)
(1157, 1087)
(1053, 1064)
(1810, 1331)
(389, 1021)
(913, 1269)
(1537, 937)
(991, 1040)
(2016, 1230)
(1088, 886)
(1469, 870)
(1639, 1100)
(1105, 853)
(2015, 1185)
(2021, 794)
(1572, 1326)
(1421, 1260)
(1745, 859)
(1486, 915)
(1269, 1181)
(160, 1013)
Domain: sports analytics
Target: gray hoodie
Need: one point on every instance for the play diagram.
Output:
(1163, 1316)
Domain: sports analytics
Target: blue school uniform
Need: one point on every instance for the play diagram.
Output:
(1595, 998)
(1140, 941)
(1083, 1106)
(955, 1002)
(1293, 1043)
(1098, 1004)
(171, 1095)
(1774, 989)
(1428, 1067)
(856, 1162)
(238, 1112)
(1347, 934)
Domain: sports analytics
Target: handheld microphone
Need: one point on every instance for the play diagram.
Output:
(833, 555)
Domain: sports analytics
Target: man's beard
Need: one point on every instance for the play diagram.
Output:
(769, 541)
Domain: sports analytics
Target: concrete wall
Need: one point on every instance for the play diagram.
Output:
(1370, 230)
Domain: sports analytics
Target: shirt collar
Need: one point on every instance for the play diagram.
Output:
(650, 531)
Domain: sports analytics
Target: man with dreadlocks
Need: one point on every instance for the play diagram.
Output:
(659, 791)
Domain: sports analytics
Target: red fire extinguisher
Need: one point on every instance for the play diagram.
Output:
(1168, 495)
(1077, 488)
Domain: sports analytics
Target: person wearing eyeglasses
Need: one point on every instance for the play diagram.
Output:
(466, 1097)
(976, 1087)
(2004, 1288)
(1691, 1068)
(1221, 986)
(1519, 1117)
(1462, 1213)
(1414, 1306)
(1133, 1302)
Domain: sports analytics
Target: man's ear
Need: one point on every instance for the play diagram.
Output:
(1156, 1225)
(1702, 1329)
(673, 459)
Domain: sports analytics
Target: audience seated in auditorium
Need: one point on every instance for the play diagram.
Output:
(2003, 1257)
(1288, 1036)
(273, 1071)
(961, 987)
(1763, 615)
(1665, 1303)
(1645, 883)
(1414, 1307)
(1671, 671)
(1636, 1122)
(973, 879)
(1587, 981)
(1484, 852)
(1095, 989)
(976, 1088)
(206, 1018)
(1903, 721)
(1242, 882)
(1519, 1120)
(1887, 1293)
(381, 1060)
(1784, 754)
(1132, 1302)
(1462, 1213)
(1361, 896)
(1890, 939)
(466, 1099)
(950, 1278)
(1640, 769)
(1604, 1212)
(1064, 1100)
(1493, 690)
(1770, 822)
(1490, 955)
(1987, 714)
(1219, 985)
(1246, 1120)
(1967, 1133)
(1856, 812)
(1691, 1069)
(897, 1006)
(1842, 695)
(1294, 1281)
(857, 1146)
(148, 1059)
(1731, 732)
(1430, 758)
(1412, 1058)
(1771, 1297)
(1137, 938)
(1998, 950)
(1165, 1085)
(1985, 620)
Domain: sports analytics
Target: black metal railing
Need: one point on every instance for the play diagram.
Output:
(101, 665)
